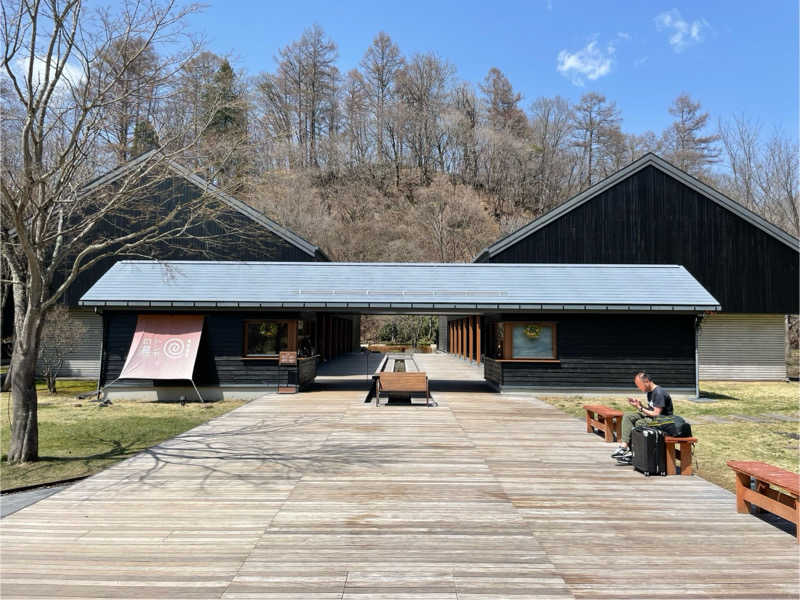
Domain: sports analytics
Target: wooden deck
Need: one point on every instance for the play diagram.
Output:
(318, 495)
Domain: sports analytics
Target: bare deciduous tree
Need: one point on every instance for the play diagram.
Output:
(380, 65)
(687, 146)
(60, 336)
(54, 229)
(596, 122)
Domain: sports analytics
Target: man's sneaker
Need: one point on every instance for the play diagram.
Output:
(621, 450)
(626, 458)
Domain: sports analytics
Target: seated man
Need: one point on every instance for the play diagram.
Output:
(659, 405)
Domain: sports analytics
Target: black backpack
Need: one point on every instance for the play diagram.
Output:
(674, 426)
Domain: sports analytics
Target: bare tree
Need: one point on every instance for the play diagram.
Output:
(60, 335)
(456, 224)
(380, 65)
(502, 104)
(423, 86)
(307, 74)
(780, 183)
(686, 144)
(53, 228)
(596, 122)
(762, 175)
(355, 106)
(132, 63)
(551, 129)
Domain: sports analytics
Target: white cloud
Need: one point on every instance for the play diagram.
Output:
(70, 76)
(623, 35)
(682, 33)
(590, 62)
(640, 61)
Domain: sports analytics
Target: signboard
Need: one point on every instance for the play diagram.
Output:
(287, 358)
(163, 347)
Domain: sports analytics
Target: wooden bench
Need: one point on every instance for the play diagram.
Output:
(679, 448)
(782, 502)
(402, 383)
(608, 420)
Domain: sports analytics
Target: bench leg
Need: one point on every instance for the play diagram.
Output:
(670, 450)
(589, 428)
(686, 458)
(797, 520)
(618, 428)
(742, 484)
(609, 425)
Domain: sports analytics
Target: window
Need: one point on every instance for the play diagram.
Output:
(266, 338)
(526, 341)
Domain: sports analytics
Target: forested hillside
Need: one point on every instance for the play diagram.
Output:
(398, 159)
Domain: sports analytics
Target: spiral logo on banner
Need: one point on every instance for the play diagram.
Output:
(174, 348)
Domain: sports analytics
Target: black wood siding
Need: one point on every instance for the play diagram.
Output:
(219, 357)
(652, 218)
(607, 351)
(240, 238)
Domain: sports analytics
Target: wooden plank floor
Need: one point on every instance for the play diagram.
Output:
(319, 495)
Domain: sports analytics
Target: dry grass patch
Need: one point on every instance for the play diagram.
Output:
(775, 442)
(79, 437)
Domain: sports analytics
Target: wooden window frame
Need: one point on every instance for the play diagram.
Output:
(292, 338)
(508, 342)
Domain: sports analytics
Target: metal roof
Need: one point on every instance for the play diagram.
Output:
(245, 209)
(647, 160)
(399, 286)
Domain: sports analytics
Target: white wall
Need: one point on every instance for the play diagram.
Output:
(743, 347)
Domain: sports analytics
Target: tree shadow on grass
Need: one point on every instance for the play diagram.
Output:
(117, 450)
(718, 396)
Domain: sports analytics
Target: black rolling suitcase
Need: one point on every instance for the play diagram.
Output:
(649, 451)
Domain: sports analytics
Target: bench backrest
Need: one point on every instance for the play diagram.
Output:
(404, 382)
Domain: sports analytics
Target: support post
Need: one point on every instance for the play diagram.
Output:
(478, 347)
(470, 338)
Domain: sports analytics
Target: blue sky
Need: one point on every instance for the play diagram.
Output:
(733, 56)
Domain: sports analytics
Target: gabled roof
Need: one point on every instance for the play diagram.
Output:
(209, 188)
(648, 160)
(397, 287)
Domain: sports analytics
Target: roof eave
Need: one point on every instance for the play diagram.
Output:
(426, 306)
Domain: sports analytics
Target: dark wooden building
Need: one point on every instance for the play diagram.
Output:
(238, 355)
(544, 326)
(237, 232)
(650, 212)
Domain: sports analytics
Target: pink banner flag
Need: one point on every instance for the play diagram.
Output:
(163, 347)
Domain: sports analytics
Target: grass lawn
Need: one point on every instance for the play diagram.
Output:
(775, 442)
(78, 437)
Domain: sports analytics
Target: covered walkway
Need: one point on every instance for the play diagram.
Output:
(317, 495)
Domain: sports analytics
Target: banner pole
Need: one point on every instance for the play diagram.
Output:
(198, 391)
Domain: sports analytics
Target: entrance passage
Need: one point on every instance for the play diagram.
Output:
(446, 373)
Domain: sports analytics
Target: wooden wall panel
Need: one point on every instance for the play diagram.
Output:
(219, 357)
(651, 218)
(608, 350)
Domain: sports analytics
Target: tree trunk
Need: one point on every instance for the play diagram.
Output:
(24, 442)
